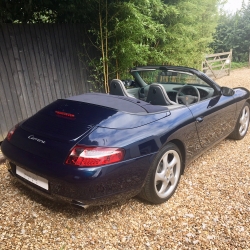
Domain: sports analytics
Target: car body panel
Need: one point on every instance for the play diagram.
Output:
(218, 118)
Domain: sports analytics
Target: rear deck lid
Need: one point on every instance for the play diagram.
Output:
(69, 119)
(66, 120)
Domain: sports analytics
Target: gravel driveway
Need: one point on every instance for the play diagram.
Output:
(210, 209)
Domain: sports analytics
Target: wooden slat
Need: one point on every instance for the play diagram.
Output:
(25, 71)
(14, 60)
(77, 29)
(218, 60)
(215, 66)
(63, 57)
(75, 59)
(5, 118)
(69, 63)
(39, 85)
(10, 76)
(218, 54)
(50, 86)
(73, 64)
(60, 65)
(51, 57)
(80, 36)
(58, 78)
(44, 70)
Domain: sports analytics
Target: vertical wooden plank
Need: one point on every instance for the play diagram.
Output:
(69, 64)
(71, 53)
(44, 75)
(79, 41)
(249, 57)
(4, 115)
(23, 78)
(3, 127)
(30, 73)
(62, 42)
(78, 45)
(52, 60)
(57, 64)
(38, 85)
(65, 57)
(33, 86)
(231, 58)
(60, 64)
(6, 119)
(17, 84)
(46, 64)
(40, 82)
(9, 85)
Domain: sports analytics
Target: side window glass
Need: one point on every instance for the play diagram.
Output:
(180, 78)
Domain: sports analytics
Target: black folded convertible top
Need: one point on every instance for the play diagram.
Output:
(121, 103)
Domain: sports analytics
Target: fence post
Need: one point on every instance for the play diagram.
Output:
(231, 58)
(249, 58)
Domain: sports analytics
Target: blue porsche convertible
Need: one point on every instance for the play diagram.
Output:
(98, 148)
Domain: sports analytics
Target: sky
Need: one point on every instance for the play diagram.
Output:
(233, 5)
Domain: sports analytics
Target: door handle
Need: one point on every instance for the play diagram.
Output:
(199, 119)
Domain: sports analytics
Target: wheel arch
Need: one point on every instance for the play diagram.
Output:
(248, 101)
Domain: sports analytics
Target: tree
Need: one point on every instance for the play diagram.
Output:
(130, 32)
(233, 32)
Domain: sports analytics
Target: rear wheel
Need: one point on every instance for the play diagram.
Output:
(164, 175)
(242, 123)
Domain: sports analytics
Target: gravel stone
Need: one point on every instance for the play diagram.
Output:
(210, 209)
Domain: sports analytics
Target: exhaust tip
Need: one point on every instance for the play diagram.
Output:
(79, 204)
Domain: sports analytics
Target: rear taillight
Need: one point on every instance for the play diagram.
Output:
(84, 156)
(11, 132)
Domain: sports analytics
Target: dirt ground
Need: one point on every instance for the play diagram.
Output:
(210, 209)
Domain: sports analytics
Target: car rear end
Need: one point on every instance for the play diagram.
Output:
(46, 153)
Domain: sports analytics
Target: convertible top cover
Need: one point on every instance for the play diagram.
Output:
(121, 103)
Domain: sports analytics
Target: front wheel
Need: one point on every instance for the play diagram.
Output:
(242, 124)
(164, 175)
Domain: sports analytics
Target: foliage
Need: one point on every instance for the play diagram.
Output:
(154, 32)
(233, 32)
(190, 32)
(130, 32)
(238, 65)
(42, 11)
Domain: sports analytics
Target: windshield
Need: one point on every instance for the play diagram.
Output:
(170, 76)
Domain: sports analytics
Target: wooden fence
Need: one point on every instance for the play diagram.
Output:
(217, 65)
(39, 63)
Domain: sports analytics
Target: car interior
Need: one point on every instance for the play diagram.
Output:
(165, 87)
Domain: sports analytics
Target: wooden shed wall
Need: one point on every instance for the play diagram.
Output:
(39, 63)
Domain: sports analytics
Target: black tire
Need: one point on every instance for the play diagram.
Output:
(242, 123)
(162, 181)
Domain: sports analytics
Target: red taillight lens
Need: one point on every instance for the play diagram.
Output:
(11, 132)
(84, 156)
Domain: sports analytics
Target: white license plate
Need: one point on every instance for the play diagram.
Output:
(36, 179)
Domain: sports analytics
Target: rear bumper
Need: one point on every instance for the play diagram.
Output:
(90, 186)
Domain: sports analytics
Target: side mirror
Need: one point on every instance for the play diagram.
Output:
(227, 91)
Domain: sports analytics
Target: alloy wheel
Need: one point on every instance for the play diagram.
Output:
(167, 174)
